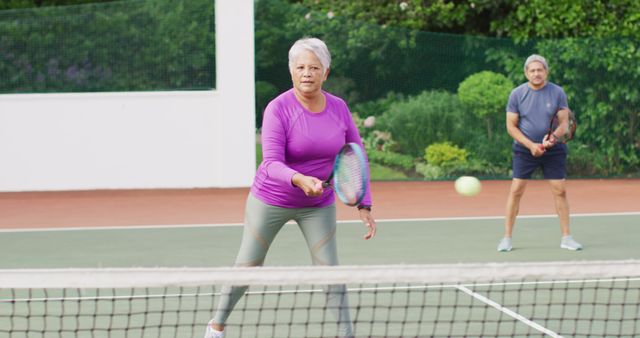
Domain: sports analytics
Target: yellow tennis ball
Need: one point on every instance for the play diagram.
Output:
(468, 186)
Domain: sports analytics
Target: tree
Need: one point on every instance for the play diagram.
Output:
(16, 4)
(485, 94)
(411, 14)
(460, 17)
(569, 18)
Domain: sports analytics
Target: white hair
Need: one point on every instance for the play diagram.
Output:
(314, 45)
(534, 58)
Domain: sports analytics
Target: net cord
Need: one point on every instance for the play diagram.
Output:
(317, 275)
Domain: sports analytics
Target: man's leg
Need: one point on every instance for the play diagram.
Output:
(513, 205)
(516, 192)
(523, 165)
(555, 170)
(559, 191)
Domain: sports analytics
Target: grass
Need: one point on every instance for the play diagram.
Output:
(382, 173)
(258, 154)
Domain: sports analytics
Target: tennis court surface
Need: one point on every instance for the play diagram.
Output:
(433, 273)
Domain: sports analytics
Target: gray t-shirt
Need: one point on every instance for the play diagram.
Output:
(535, 108)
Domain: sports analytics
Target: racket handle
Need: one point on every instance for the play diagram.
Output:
(327, 183)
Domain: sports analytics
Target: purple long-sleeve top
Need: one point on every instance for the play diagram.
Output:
(295, 140)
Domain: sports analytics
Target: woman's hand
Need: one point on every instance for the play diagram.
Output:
(311, 186)
(367, 219)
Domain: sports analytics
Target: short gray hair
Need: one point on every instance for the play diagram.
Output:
(314, 45)
(534, 58)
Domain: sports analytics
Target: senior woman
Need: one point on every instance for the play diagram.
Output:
(302, 131)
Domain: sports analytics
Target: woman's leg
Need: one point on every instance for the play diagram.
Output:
(262, 223)
(318, 226)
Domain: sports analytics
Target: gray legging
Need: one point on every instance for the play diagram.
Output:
(262, 223)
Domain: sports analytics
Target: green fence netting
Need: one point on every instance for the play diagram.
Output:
(147, 45)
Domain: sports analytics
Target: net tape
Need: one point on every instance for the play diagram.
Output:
(577, 299)
(310, 275)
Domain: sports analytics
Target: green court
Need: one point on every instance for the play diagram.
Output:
(382, 310)
(605, 237)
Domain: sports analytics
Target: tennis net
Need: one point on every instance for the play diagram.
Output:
(556, 299)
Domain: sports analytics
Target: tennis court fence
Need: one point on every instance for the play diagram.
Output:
(548, 299)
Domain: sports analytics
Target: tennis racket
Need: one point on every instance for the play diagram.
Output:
(349, 175)
(562, 127)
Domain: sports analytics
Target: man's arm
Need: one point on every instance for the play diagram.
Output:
(566, 128)
(516, 134)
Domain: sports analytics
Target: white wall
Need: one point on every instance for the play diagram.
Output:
(140, 140)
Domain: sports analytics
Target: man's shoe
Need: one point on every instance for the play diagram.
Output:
(505, 245)
(570, 244)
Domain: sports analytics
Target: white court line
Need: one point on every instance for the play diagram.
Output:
(508, 311)
(396, 220)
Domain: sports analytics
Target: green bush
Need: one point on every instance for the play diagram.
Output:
(472, 167)
(497, 151)
(379, 106)
(391, 159)
(445, 154)
(429, 171)
(485, 94)
(430, 117)
(584, 161)
(378, 140)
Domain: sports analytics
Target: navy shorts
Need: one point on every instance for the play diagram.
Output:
(553, 163)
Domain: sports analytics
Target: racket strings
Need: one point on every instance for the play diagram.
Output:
(349, 180)
(562, 131)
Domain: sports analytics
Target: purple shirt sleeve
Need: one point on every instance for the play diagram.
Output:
(274, 137)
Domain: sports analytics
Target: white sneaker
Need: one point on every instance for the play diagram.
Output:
(211, 333)
(505, 244)
(570, 244)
